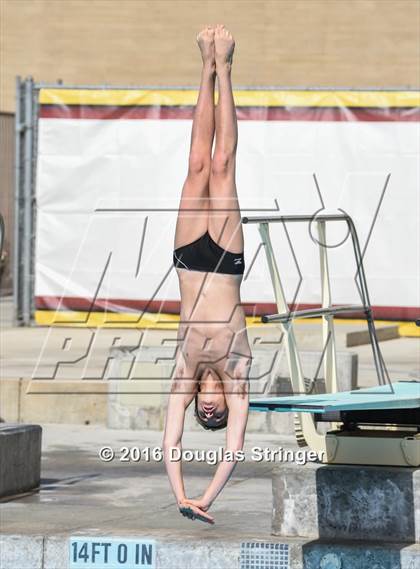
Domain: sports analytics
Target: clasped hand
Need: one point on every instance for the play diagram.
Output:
(195, 510)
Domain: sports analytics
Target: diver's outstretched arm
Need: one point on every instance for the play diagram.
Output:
(183, 391)
(180, 397)
(237, 398)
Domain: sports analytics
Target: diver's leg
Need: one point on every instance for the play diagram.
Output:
(224, 217)
(192, 219)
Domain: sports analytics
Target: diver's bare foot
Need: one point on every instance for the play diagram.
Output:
(224, 47)
(205, 40)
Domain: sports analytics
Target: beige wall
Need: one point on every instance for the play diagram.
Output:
(354, 43)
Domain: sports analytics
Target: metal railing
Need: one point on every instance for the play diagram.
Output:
(285, 316)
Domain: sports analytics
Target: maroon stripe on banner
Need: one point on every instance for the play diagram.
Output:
(104, 112)
(116, 305)
(105, 305)
(332, 114)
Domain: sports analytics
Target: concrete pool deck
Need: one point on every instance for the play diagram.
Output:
(81, 495)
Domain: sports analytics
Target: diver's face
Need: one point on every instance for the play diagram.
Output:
(211, 402)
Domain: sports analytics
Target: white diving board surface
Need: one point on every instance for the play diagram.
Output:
(399, 395)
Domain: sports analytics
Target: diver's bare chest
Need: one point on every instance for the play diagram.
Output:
(212, 345)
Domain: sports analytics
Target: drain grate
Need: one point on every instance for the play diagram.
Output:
(264, 555)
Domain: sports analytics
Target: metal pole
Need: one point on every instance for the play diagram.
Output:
(363, 289)
(17, 257)
(328, 331)
(294, 218)
(27, 206)
(46, 85)
(34, 155)
(311, 313)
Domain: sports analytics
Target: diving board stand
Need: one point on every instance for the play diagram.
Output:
(375, 426)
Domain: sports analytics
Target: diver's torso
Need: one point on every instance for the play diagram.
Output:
(212, 330)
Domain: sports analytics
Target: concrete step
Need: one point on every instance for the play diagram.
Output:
(53, 401)
(346, 502)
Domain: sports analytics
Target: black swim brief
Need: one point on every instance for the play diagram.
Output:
(204, 254)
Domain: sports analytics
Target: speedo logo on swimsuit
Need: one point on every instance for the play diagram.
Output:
(237, 261)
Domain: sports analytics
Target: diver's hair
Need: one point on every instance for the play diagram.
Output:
(205, 425)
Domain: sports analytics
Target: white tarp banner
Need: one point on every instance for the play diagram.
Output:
(109, 179)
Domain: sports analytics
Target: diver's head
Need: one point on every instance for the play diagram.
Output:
(211, 410)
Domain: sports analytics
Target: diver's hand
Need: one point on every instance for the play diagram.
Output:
(200, 503)
(188, 509)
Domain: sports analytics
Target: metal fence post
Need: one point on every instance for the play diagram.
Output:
(27, 206)
(34, 156)
(17, 246)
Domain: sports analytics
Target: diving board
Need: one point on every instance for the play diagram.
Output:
(400, 395)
